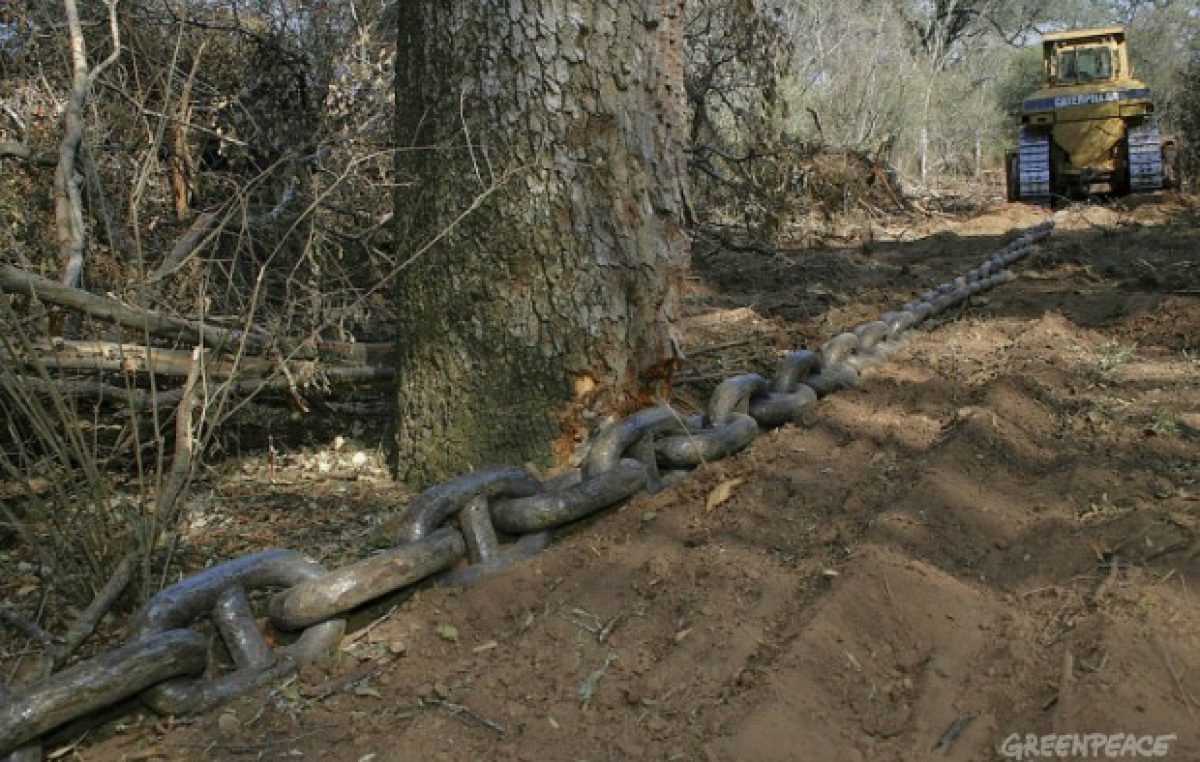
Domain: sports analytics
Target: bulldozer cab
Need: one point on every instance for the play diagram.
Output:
(1085, 56)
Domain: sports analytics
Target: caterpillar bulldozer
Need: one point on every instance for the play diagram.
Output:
(1091, 128)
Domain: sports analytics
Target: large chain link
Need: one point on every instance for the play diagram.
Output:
(491, 518)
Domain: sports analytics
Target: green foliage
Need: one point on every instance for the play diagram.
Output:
(1189, 113)
(1024, 75)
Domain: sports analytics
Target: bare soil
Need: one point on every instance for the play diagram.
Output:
(995, 534)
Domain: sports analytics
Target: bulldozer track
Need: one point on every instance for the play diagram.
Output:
(1145, 157)
(1033, 166)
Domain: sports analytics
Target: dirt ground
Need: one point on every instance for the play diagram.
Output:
(995, 534)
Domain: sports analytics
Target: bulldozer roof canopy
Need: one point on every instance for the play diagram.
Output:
(1079, 34)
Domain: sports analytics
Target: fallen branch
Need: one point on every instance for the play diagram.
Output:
(25, 627)
(186, 244)
(11, 150)
(144, 400)
(154, 323)
(86, 624)
(465, 711)
(99, 356)
(31, 752)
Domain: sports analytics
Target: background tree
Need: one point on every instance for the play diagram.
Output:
(553, 303)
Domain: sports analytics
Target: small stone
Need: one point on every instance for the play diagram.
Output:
(228, 722)
(397, 647)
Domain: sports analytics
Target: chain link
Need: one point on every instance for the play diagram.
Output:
(491, 518)
(220, 593)
(572, 503)
(31, 752)
(99, 682)
(350, 586)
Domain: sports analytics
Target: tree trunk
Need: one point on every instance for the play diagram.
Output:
(553, 302)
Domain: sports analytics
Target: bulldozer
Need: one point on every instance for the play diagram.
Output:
(1090, 129)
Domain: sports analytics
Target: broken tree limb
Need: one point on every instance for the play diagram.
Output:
(186, 244)
(358, 353)
(169, 492)
(140, 400)
(154, 323)
(87, 622)
(23, 152)
(99, 205)
(27, 628)
(107, 356)
(144, 400)
(349, 362)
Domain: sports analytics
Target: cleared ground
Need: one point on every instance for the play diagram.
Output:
(995, 534)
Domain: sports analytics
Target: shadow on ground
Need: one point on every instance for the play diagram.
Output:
(995, 534)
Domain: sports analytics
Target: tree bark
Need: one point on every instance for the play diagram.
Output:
(553, 302)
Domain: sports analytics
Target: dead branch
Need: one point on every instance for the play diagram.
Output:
(186, 244)
(86, 624)
(166, 503)
(361, 362)
(182, 166)
(154, 323)
(144, 400)
(11, 150)
(358, 353)
(100, 356)
(25, 627)
(68, 202)
(31, 752)
(137, 399)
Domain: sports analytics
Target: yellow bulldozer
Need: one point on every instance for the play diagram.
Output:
(1091, 128)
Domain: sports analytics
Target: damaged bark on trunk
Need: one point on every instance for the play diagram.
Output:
(554, 302)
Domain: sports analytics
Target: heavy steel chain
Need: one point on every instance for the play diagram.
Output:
(491, 518)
